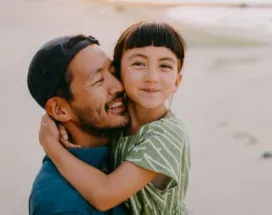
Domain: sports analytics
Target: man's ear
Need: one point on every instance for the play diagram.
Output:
(178, 81)
(59, 109)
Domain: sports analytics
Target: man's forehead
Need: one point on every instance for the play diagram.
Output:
(92, 52)
(92, 57)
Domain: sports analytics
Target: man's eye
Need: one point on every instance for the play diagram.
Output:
(98, 82)
(166, 66)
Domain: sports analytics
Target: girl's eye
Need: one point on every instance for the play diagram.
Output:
(138, 64)
(166, 66)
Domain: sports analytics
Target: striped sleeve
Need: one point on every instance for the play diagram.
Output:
(160, 150)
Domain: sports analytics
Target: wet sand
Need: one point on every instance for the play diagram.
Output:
(225, 99)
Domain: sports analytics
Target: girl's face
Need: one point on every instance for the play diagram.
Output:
(150, 75)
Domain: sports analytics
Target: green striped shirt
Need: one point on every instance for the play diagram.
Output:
(161, 146)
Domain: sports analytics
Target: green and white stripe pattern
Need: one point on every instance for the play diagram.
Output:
(161, 146)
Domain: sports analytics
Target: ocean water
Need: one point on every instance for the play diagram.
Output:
(241, 18)
(250, 25)
(248, 22)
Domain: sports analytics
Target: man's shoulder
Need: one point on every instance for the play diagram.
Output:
(52, 193)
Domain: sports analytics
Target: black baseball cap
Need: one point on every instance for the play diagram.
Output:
(49, 64)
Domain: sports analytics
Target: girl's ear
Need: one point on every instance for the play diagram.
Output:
(178, 81)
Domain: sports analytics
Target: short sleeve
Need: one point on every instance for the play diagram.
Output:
(160, 150)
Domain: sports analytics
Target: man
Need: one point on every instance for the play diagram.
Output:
(69, 77)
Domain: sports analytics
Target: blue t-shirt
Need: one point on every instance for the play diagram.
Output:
(52, 195)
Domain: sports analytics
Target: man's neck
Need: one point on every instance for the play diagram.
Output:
(83, 138)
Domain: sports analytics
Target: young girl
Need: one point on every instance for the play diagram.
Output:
(151, 156)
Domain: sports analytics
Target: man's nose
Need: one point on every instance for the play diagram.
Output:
(115, 85)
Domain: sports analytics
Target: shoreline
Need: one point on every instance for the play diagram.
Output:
(164, 4)
(198, 34)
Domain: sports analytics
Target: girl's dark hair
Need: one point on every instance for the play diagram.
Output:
(144, 34)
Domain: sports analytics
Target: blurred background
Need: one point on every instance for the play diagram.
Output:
(225, 98)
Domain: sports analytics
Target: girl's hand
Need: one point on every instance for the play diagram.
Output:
(64, 140)
(48, 130)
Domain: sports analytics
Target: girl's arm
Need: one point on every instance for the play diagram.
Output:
(100, 190)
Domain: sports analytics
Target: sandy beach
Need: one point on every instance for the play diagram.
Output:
(225, 100)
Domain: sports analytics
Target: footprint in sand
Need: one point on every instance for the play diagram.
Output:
(245, 136)
(267, 154)
(240, 135)
(223, 124)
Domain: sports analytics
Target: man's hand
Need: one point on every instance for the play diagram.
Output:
(48, 130)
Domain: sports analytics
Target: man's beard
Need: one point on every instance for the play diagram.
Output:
(90, 121)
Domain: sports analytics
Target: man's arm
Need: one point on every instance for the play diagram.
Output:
(100, 190)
